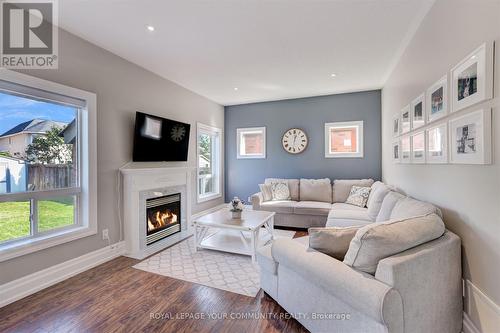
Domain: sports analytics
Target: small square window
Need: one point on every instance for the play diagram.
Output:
(344, 139)
(251, 142)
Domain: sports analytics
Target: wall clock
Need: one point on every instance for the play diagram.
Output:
(294, 141)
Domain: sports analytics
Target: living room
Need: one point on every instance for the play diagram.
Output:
(264, 166)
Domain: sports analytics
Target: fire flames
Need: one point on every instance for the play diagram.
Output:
(161, 219)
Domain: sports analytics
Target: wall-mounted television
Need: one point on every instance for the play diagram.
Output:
(158, 139)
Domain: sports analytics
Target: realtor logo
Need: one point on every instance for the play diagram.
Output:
(29, 36)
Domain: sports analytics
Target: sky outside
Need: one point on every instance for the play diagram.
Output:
(15, 110)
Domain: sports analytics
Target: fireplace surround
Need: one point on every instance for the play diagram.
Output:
(152, 195)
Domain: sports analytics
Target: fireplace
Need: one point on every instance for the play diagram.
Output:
(163, 217)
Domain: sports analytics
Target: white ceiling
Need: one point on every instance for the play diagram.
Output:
(269, 50)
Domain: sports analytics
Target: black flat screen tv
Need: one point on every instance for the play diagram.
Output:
(158, 139)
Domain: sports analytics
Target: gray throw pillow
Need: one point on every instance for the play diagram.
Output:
(377, 195)
(380, 240)
(267, 192)
(358, 196)
(332, 241)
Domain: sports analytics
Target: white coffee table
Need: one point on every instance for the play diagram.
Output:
(243, 236)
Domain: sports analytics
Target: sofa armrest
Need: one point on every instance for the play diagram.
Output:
(257, 199)
(359, 290)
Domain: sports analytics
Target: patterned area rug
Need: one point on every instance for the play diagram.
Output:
(227, 271)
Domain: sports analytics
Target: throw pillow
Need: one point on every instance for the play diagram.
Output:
(380, 240)
(377, 195)
(358, 196)
(267, 193)
(280, 191)
(332, 241)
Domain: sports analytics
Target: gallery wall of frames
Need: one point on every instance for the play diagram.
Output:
(444, 124)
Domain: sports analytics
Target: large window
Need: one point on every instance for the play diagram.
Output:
(344, 139)
(46, 155)
(209, 162)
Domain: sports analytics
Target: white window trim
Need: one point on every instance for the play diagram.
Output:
(202, 128)
(240, 131)
(359, 139)
(87, 207)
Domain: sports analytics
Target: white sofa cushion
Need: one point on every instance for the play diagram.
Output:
(332, 241)
(409, 207)
(377, 241)
(293, 186)
(388, 204)
(348, 218)
(342, 187)
(316, 190)
(312, 208)
(377, 195)
(345, 206)
(278, 206)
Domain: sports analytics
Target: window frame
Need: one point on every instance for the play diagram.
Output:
(86, 203)
(359, 139)
(240, 132)
(209, 130)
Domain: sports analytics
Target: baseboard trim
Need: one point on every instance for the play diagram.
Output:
(30, 284)
(481, 313)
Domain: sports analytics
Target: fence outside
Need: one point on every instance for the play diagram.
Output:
(50, 176)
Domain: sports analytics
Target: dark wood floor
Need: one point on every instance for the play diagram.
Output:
(114, 297)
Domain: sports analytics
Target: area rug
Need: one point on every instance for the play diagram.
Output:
(227, 271)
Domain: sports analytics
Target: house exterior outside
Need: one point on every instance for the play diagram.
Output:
(16, 140)
(13, 175)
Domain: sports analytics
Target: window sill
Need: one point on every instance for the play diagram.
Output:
(209, 197)
(30, 245)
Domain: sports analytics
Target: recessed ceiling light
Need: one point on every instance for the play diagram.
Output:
(333, 75)
(150, 28)
(235, 88)
(473, 57)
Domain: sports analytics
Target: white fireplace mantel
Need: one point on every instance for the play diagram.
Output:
(140, 178)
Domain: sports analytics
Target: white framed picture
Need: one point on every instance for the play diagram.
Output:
(405, 149)
(470, 138)
(396, 151)
(344, 139)
(472, 78)
(251, 142)
(418, 148)
(437, 144)
(418, 112)
(396, 125)
(405, 122)
(437, 100)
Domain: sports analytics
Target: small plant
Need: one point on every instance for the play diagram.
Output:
(237, 205)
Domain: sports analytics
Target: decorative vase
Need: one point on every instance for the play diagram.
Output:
(236, 214)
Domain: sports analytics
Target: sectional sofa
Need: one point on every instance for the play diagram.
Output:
(401, 271)
(317, 202)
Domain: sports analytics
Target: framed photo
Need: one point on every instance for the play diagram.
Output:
(418, 148)
(396, 151)
(470, 138)
(344, 139)
(251, 142)
(405, 150)
(405, 122)
(437, 144)
(437, 100)
(418, 112)
(472, 78)
(396, 126)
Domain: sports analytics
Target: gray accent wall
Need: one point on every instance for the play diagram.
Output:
(309, 114)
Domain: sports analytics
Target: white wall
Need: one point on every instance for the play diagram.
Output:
(469, 195)
(122, 88)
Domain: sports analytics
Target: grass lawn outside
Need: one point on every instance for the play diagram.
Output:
(15, 222)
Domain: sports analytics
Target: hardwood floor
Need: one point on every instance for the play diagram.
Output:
(114, 297)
